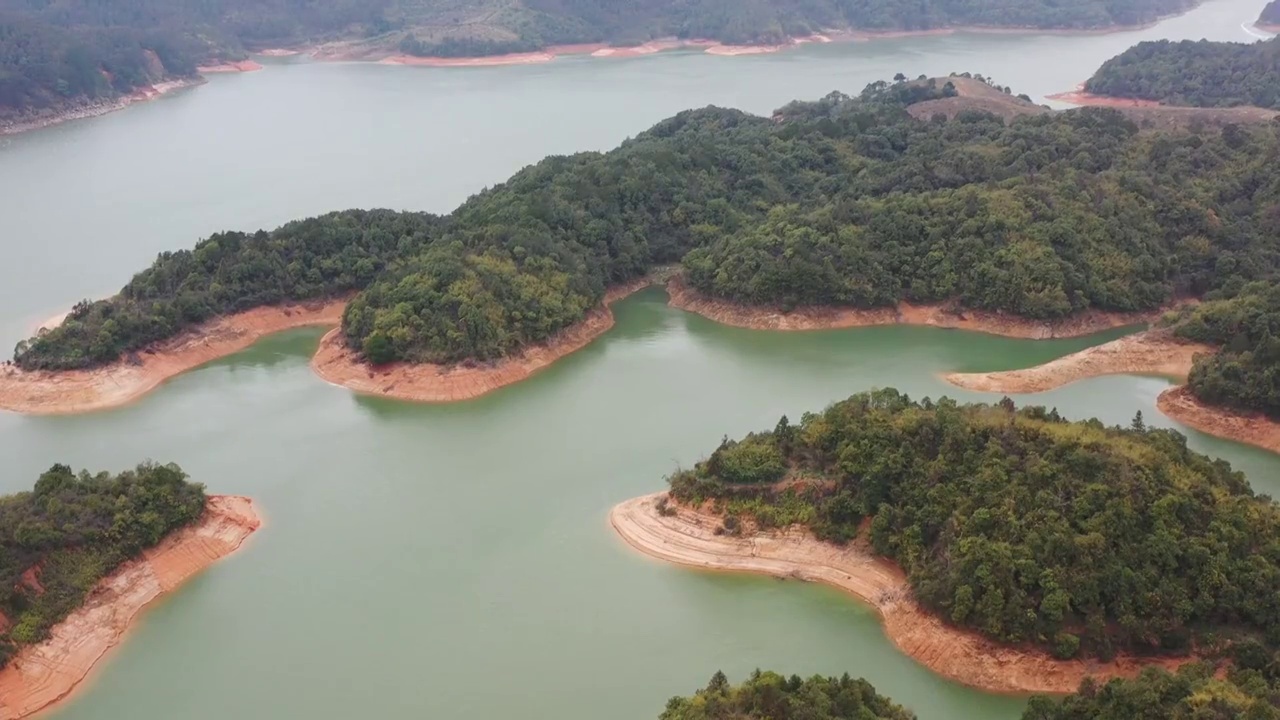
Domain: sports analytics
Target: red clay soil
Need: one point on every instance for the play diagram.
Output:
(1154, 352)
(764, 318)
(336, 363)
(40, 676)
(688, 538)
(231, 66)
(1251, 429)
(76, 391)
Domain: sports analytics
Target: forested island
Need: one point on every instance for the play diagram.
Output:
(1249, 691)
(1194, 74)
(83, 554)
(909, 192)
(64, 56)
(73, 529)
(1016, 524)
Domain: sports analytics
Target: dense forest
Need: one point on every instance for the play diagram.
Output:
(55, 54)
(1194, 73)
(1249, 689)
(1245, 373)
(769, 696)
(844, 201)
(73, 530)
(1072, 536)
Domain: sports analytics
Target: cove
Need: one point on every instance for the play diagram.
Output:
(414, 552)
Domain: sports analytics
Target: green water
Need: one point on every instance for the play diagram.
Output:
(455, 561)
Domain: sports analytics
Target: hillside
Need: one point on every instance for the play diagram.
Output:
(1270, 17)
(1194, 74)
(57, 56)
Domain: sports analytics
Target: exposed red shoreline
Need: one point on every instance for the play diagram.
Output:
(41, 676)
(230, 66)
(687, 537)
(1080, 97)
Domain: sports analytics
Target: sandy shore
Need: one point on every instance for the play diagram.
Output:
(94, 109)
(76, 391)
(45, 674)
(763, 318)
(335, 363)
(1248, 428)
(687, 538)
(232, 66)
(1153, 352)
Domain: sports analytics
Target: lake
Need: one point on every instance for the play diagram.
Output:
(455, 561)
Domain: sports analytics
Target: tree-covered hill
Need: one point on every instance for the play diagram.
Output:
(1075, 537)
(846, 201)
(769, 696)
(1248, 690)
(74, 529)
(1194, 73)
(56, 54)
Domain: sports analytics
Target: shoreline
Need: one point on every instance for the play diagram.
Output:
(338, 365)
(1153, 352)
(230, 66)
(97, 108)
(41, 676)
(1081, 98)
(43, 392)
(939, 316)
(1247, 428)
(687, 538)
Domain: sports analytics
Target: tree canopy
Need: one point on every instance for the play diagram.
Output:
(1071, 536)
(769, 696)
(74, 529)
(1270, 14)
(1194, 73)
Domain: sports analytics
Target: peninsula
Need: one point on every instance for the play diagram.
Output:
(985, 537)
(85, 555)
(932, 201)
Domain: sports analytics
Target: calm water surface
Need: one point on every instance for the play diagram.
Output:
(455, 561)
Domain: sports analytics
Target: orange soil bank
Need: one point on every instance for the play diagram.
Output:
(688, 538)
(1153, 352)
(337, 364)
(40, 676)
(1250, 429)
(231, 66)
(762, 318)
(75, 391)
(1080, 97)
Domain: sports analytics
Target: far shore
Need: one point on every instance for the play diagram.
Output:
(688, 538)
(230, 66)
(94, 109)
(41, 676)
(78, 391)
